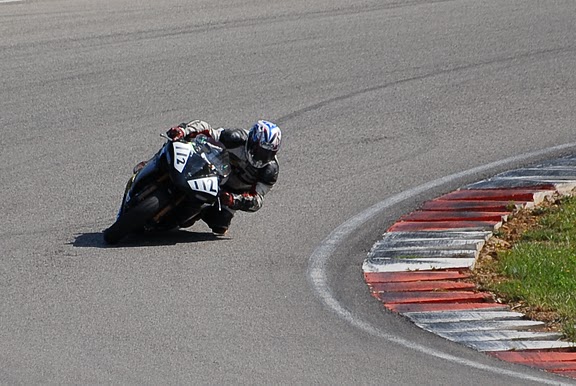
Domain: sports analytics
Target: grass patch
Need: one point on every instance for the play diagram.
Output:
(539, 270)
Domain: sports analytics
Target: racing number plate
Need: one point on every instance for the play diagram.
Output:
(181, 153)
(205, 185)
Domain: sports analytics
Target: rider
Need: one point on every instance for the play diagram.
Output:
(254, 167)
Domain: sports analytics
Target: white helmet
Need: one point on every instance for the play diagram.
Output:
(263, 143)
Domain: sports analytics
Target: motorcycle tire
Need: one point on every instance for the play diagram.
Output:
(133, 220)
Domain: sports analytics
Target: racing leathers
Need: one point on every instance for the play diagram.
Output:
(246, 186)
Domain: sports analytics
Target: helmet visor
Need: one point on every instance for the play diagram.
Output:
(260, 157)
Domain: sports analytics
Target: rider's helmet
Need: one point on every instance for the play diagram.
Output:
(263, 143)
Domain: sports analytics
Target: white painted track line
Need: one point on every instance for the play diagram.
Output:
(318, 261)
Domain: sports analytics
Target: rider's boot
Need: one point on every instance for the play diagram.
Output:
(219, 231)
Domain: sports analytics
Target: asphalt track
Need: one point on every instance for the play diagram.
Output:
(375, 98)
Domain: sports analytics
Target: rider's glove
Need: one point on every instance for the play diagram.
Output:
(176, 133)
(226, 199)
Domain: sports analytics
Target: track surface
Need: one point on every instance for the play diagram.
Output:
(375, 98)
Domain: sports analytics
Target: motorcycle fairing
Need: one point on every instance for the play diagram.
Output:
(207, 185)
(150, 172)
(182, 151)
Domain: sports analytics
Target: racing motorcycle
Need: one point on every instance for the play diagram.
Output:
(172, 188)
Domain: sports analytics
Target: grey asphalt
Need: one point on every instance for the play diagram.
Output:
(374, 98)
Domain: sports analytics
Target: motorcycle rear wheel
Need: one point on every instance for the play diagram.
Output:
(133, 220)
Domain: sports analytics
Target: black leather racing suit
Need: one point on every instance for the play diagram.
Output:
(247, 184)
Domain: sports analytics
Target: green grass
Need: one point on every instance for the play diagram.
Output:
(541, 268)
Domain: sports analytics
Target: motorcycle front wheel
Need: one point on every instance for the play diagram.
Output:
(133, 220)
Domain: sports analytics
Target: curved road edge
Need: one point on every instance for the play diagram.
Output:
(319, 259)
(419, 267)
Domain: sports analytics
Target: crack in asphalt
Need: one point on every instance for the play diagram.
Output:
(495, 61)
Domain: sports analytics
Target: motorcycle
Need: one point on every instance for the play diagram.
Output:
(173, 188)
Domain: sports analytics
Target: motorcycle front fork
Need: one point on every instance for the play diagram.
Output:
(145, 193)
(168, 208)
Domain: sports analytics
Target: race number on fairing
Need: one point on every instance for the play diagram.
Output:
(181, 154)
(206, 185)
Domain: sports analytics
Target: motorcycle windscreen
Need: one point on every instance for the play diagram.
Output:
(214, 152)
